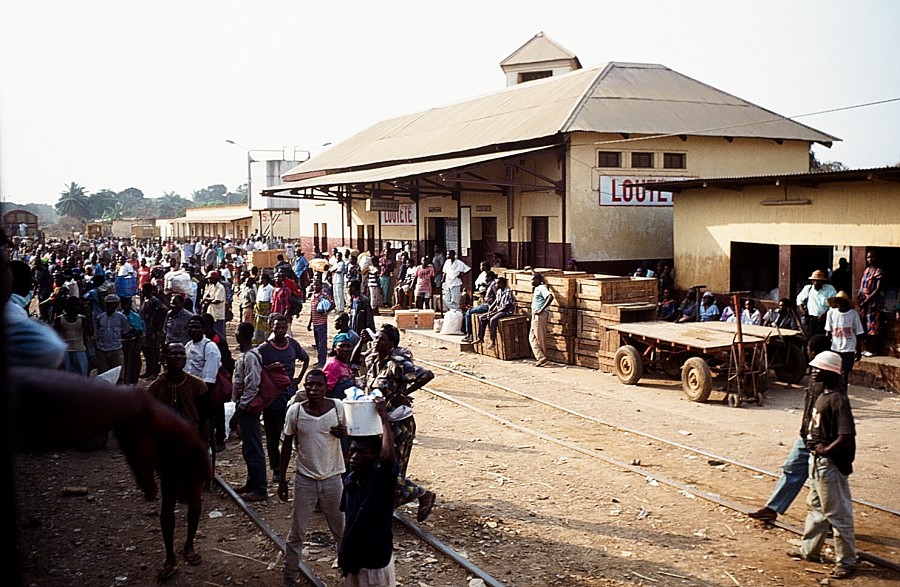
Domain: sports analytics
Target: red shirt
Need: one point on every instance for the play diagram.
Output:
(143, 276)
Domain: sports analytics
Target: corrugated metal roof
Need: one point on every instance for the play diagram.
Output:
(620, 97)
(890, 174)
(393, 172)
(645, 98)
(539, 48)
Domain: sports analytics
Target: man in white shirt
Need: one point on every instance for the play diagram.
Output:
(843, 325)
(453, 270)
(203, 356)
(813, 302)
(214, 298)
(127, 269)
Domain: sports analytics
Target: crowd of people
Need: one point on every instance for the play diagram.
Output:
(154, 313)
(157, 311)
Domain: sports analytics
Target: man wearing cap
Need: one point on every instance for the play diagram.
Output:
(843, 325)
(110, 328)
(831, 439)
(214, 300)
(813, 302)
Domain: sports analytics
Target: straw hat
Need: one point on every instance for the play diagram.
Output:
(827, 361)
(841, 295)
(818, 275)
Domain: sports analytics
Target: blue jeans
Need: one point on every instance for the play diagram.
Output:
(220, 327)
(76, 362)
(829, 503)
(467, 323)
(795, 471)
(320, 334)
(252, 451)
(494, 320)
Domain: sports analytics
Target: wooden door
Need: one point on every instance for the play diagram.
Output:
(540, 239)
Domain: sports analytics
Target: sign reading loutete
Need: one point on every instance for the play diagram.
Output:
(618, 190)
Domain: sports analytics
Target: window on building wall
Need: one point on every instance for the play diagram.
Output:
(674, 160)
(609, 159)
(642, 160)
(528, 76)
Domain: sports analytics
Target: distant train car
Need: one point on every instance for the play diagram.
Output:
(21, 223)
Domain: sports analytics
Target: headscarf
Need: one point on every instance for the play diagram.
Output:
(339, 338)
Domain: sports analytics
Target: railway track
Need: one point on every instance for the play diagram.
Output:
(701, 478)
(310, 575)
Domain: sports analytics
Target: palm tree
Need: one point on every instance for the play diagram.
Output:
(73, 201)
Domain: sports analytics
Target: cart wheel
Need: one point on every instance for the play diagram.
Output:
(794, 367)
(760, 399)
(733, 400)
(629, 366)
(696, 379)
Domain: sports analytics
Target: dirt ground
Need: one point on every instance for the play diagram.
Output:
(528, 511)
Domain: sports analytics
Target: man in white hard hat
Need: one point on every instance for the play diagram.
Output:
(831, 439)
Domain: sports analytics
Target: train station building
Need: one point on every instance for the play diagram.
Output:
(556, 165)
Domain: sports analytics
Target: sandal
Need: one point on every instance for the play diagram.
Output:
(841, 572)
(193, 558)
(425, 506)
(166, 571)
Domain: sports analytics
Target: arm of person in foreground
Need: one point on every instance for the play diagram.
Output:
(54, 410)
(387, 437)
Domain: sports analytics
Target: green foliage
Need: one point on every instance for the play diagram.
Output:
(106, 204)
(73, 201)
(816, 166)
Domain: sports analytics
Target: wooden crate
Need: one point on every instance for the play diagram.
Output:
(607, 365)
(264, 259)
(615, 290)
(564, 287)
(560, 349)
(629, 312)
(414, 319)
(512, 339)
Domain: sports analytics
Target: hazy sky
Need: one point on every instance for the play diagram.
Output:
(115, 94)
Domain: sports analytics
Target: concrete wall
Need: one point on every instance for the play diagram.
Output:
(707, 221)
(618, 232)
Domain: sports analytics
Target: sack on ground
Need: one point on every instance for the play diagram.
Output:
(453, 321)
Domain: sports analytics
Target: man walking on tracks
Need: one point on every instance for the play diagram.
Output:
(541, 298)
(795, 469)
(831, 439)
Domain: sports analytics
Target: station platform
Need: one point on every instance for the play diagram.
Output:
(872, 372)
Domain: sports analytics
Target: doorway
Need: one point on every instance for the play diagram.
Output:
(540, 239)
(484, 248)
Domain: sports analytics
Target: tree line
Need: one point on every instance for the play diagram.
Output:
(104, 205)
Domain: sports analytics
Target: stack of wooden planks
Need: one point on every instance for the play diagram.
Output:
(608, 299)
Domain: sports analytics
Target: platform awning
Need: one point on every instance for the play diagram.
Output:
(395, 172)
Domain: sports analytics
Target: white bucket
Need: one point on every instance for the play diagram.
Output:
(362, 418)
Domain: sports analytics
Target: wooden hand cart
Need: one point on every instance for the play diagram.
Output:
(698, 351)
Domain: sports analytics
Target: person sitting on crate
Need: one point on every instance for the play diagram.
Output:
(488, 295)
(504, 305)
(667, 306)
